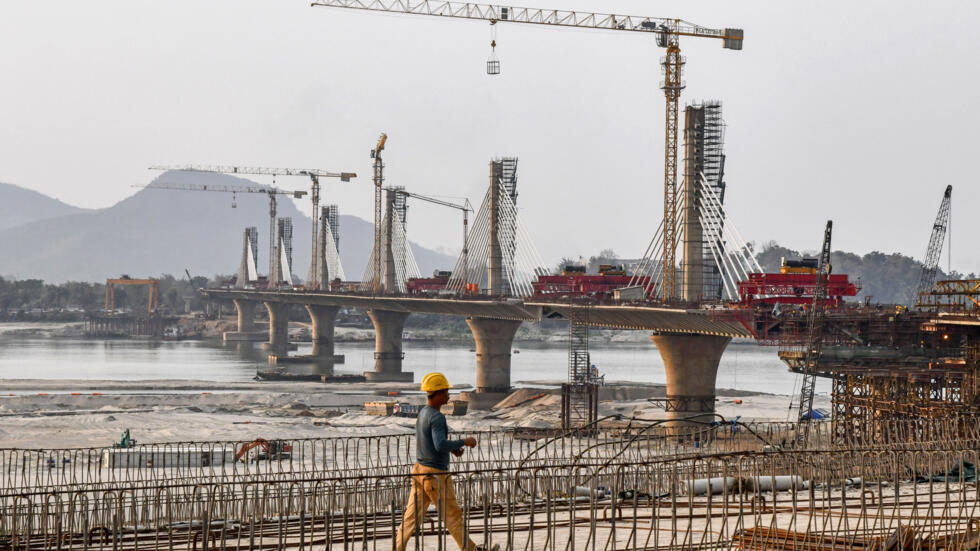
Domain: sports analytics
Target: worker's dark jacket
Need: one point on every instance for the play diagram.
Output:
(432, 439)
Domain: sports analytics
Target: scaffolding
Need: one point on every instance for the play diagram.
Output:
(332, 214)
(890, 365)
(704, 180)
(713, 168)
(283, 261)
(580, 398)
(508, 224)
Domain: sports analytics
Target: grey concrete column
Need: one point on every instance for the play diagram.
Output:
(494, 339)
(322, 318)
(246, 315)
(692, 267)
(388, 355)
(278, 329)
(691, 362)
(246, 323)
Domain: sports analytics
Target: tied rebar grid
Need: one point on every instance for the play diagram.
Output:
(829, 499)
(31, 470)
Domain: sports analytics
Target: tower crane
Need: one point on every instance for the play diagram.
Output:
(667, 33)
(272, 192)
(313, 173)
(466, 207)
(927, 278)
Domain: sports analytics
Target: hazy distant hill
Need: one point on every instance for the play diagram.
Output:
(162, 231)
(22, 206)
(888, 278)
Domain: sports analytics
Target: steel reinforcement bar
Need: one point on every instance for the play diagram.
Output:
(802, 500)
(629, 440)
(361, 455)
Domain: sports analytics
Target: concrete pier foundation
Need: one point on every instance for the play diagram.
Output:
(246, 323)
(691, 362)
(388, 355)
(278, 343)
(494, 339)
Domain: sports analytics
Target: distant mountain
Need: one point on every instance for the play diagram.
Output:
(158, 232)
(22, 206)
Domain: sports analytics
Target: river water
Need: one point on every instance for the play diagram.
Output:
(744, 366)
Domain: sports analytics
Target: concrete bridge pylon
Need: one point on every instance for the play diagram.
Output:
(388, 354)
(691, 362)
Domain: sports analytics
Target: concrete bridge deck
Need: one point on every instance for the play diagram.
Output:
(690, 342)
(507, 309)
(623, 316)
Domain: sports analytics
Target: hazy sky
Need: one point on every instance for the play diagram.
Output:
(860, 112)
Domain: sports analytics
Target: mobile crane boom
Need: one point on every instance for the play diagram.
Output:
(814, 342)
(930, 264)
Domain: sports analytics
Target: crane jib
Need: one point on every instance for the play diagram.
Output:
(495, 13)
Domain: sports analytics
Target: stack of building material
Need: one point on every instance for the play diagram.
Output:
(383, 409)
(455, 407)
(762, 538)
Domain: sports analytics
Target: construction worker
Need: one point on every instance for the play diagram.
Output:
(431, 481)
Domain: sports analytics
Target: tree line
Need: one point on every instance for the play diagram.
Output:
(35, 298)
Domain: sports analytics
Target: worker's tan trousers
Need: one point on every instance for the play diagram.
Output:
(431, 485)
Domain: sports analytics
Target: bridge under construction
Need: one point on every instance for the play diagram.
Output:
(894, 468)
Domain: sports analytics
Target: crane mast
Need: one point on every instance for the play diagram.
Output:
(927, 278)
(667, 32)
(672, 64)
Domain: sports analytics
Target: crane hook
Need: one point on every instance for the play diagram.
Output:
(493, 64)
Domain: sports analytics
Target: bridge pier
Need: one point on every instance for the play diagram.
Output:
(246, 322)
(322, 318)
(494, 339)
(388, 355)
(691, 362)
(278, 344)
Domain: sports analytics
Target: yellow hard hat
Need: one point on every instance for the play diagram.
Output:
(433, 382)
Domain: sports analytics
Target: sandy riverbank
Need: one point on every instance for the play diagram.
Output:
(66, 413)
